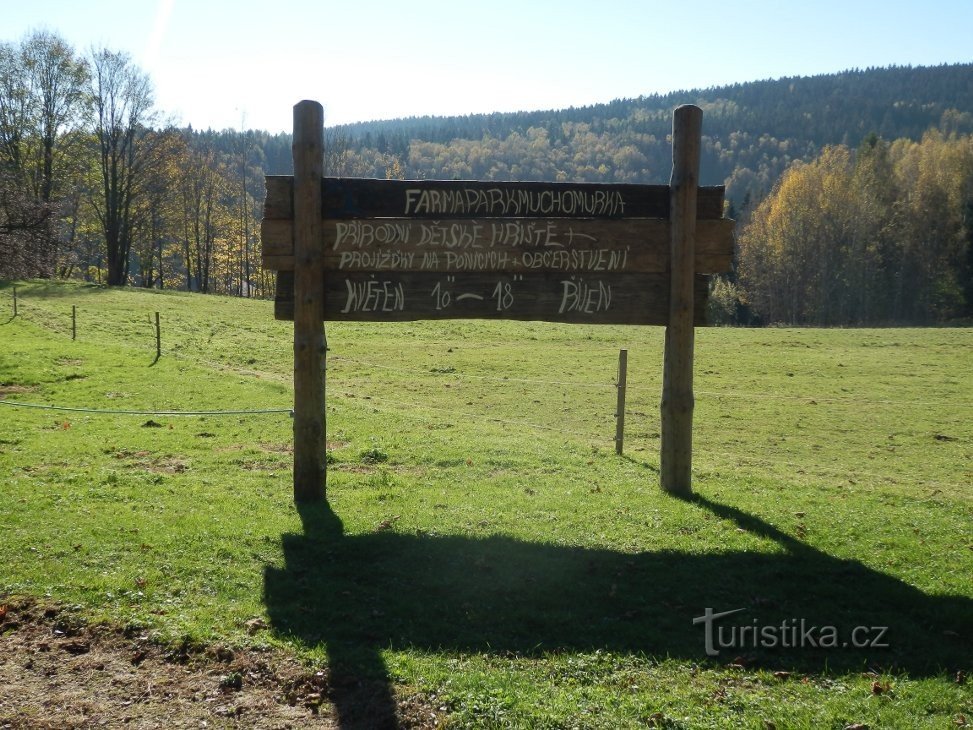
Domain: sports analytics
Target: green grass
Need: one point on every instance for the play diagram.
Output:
(484, 545)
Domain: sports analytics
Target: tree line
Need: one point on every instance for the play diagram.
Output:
(95, 184)
(852, 190)
(751, 131)
(882, 234)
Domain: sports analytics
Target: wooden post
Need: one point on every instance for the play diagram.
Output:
(677, 374)
(158, 338)
(15, 300)
(620, 405)
(309, 350)
(74, 322)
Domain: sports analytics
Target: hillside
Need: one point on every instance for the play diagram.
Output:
(752, 132)
(184, 212)
(487, 559)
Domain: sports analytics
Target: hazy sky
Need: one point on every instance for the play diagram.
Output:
(234, 63)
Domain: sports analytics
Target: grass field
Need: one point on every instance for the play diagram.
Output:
(484, 548)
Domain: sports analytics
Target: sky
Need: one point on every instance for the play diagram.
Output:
(244, 64)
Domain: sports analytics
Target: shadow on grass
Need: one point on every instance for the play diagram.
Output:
(357, 595)
(641, 463)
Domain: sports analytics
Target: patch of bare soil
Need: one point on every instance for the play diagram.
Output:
(57, 671)
(13, 389)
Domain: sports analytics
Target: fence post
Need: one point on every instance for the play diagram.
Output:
(15, 300)
(158, 338)
(620, 405)
(310, 450)
(74, 322)
(676, 458)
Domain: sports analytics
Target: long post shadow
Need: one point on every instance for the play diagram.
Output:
(358, 595)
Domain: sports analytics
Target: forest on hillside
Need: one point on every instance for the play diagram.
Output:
(856, 185)
(751, 132)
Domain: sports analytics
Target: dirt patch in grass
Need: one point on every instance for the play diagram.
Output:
(57, 671)
(157, 464)
(168, 465)
(276, 448)
(13, 389)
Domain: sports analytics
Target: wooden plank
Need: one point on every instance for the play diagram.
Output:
(279, 200)
(676, 458)
(442, 199)
(506, 245)
(284, 296)
(277, 237)
(396, 296)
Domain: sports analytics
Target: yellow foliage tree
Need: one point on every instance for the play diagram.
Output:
(879, 235)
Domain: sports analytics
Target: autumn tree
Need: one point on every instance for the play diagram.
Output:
(155, 218)
(208, 218)
(936, 177)
(245, 205)
(84, 239)
(123, 116)
(43, 108)
(879, 235)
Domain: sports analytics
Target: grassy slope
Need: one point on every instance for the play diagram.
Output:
(486, 544)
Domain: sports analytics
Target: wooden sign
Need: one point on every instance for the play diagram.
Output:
(628, 298)
(401, 250)
(394, 250)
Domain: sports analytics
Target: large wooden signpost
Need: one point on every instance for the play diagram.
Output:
(392, 250)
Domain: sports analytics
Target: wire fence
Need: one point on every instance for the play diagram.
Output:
(426, 412)
(414, 407)
(178, 350)
(471, 376)
(121, 412)
(130, 325)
